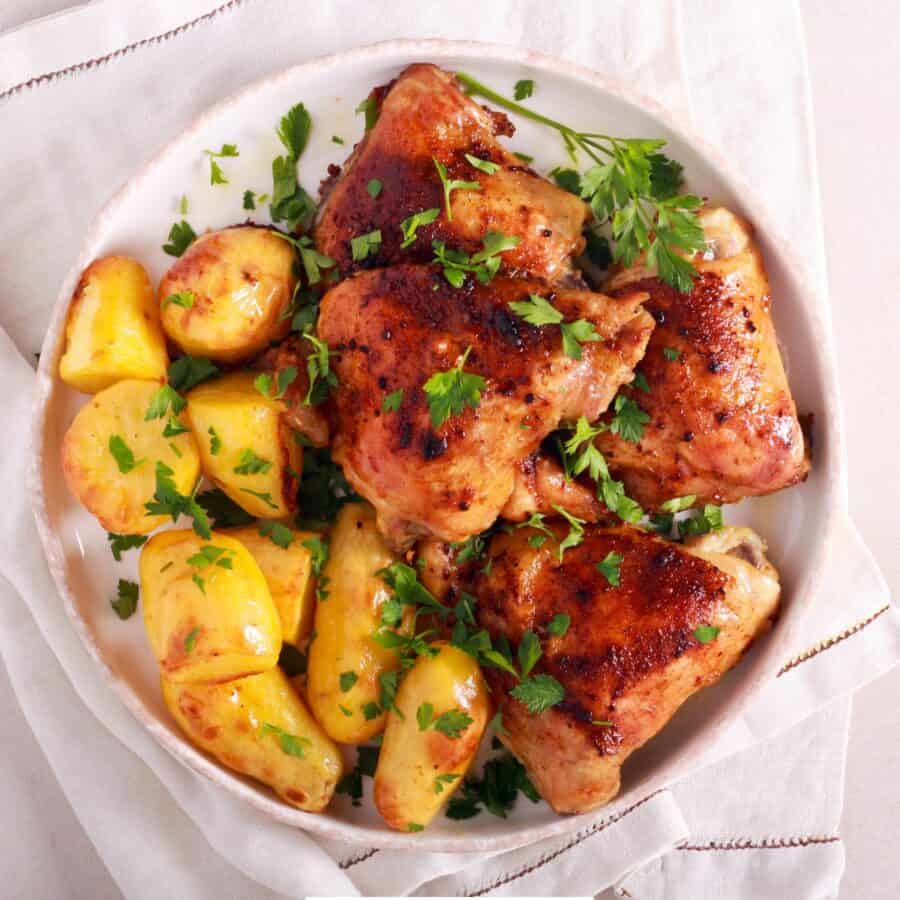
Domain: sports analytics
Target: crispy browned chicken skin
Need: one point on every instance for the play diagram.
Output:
(630, 657)
(424, 115)
(723, 424)
(394, 328)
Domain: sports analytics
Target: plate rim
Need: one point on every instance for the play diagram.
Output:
(763, 667)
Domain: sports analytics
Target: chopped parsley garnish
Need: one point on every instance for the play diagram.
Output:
(190, 640)
(451, 724)
(448, 393)
(414, 826)
(251, 464)
(318, 547)
(374, 187)
(291, 744)
(483, 165)
(322, 377)
(484, 264)
(265, 496)
(538, 693)
(369, 106)
(612, 493)
(496, 791)
(216, 175)
(293, 130)
(336, 139)
(164, 399)
(189, 371)
(635, 187)
(223, 511)
(126, 599)
(215, 442)
(278, 533)
(365, 245)
(184, 299)
(706, 633)
(347, 680)
(181, 236)
(173, 429)
(283, 380)
(168, 501)
(313, 261)
(628, 420)
(640, 383)
(183, 205)
(536, 310)
(410, 225)
(119, 543)
(123, 455)
(525, 157)
(452, 184)
(392, 401)
(366, 763)
(702, 522)
(523, 89)
(290, 202)
(610, 567)
(671, 354)
(576, 531)
(580, 454)
(678, 504)
(529, 652)
(441, 781)
(323, 489)
(598, 251)
(559, 624)
(209, 555)
(249, 200)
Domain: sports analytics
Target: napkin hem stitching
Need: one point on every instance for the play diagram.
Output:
(122, 51)
(785, 843)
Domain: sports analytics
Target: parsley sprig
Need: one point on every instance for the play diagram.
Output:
(537, 310)
(484, 264)
(448, 393)
(633, 186)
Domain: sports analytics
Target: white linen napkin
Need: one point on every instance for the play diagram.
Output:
(748, 821)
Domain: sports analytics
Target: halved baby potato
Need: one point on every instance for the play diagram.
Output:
(227, 297)
(428, 746)
(259, 726)
(208, 611)
(245, 446)
(289, 574)
(110, 452)
(345, 663)
(113, 330)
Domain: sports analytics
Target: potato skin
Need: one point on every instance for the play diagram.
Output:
(226, 721)
(243, 419)
(113, 330)
(242, 280)
(289, 574)
(344, 626)
(227, 630)
(117, 499)
(411, 760)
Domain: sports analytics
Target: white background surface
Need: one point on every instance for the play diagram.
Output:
(855, 78)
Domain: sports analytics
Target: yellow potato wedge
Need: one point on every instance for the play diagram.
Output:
(110, 452)
(426, 753)
(258, 726)
(113, 330)
(346, 707)
(207, 608)
(233, 289)
(289, 574)
(245, 446)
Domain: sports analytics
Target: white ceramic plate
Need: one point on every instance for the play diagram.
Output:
(797, 523)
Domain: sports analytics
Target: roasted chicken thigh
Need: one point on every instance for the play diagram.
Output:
(634, 650)
(723, 424)
(424, 117)
(393, 329)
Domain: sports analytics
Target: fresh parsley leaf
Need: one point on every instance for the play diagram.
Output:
(529, 652)
(559, 624)
(628, 420)
(671, 354)
(119, 543)
(216, 175)
(168, 501)
(369, 106)
(210, 555)
(318, 548)
(291, 744)
(483, 165)
(336, 139)
(265, 496)
(392, 401)
(414, 826)
(183, 205)
(173, 429)
(536, 310)
(576, 531)
(251, 464)
(576, 333)
(610, 567)
(640, 383)
(410, 225)
(523, 89)
(189, 371)
(538, 693)
(162, 401)
(580, 454)
(374, 187)
(371, 710)
(448, 393)
(568, 179)
(249, 200)
(365, 245)
(441, 781)
(706, 633)
(452, 184)
(613, 495)
(125, 602)
(347, 680)
(190, 640)
(323, 488)
(598, 250)
(484, 264)
(451, 723)
(677, 504)
(184, 299)
(502, 780)
(661, 522)
(215, 442)
(322, 377)
(224, 512)
(293, 130)
(181, 236)
(290, 202)
(702, 522)
(278, 533)
(123, 455)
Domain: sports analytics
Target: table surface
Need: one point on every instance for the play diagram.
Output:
(856, 95)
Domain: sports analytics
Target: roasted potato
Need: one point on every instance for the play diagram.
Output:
(110, 452)
(289, 574)
(344, 662)
(427, 751)
(259, 726)
(245, 446)
(113, 330)
(234, 288)
(207, 608)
